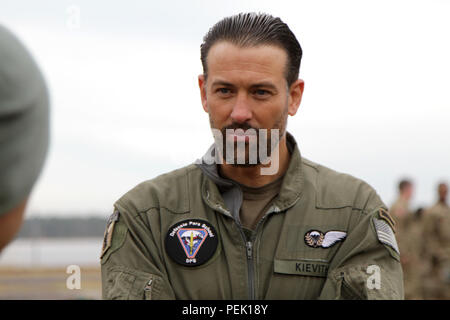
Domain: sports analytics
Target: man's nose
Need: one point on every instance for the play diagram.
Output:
(241, 110)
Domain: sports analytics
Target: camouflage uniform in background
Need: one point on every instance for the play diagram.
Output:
(412, 248)
(436, 237)
(400, 212)
(409, 232)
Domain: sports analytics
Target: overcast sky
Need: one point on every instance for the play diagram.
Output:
(126, 107)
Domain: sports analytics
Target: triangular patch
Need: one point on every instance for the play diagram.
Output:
(191, 239)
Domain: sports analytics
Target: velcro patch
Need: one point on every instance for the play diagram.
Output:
(303, 267)
(316, 239)
(385, 234)
(107, 237)
(384, 214)
(191, 242)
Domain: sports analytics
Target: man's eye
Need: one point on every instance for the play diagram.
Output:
(261, 93)
(223, 90)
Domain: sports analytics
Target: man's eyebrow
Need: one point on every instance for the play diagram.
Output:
(264, 84)
(222, 83)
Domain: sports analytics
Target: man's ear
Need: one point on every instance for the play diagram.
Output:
(295, 96)
(202, 86)
(10, 223)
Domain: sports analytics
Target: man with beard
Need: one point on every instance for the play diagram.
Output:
(253, 219)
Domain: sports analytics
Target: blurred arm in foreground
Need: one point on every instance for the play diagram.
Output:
(24, 131)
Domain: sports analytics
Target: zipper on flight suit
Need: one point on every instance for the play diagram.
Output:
(249, 247)
(250, 271)
(148, 290)
(248, 244)
(249, 254)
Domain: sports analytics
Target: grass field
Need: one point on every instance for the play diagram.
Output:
(48, 283)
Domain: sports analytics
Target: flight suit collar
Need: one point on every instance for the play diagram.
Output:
(225, 195)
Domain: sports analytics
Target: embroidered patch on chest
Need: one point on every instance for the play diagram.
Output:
(191, 242)
(318, 239)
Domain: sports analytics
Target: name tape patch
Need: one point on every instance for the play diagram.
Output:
(301, 267)
(191, 242)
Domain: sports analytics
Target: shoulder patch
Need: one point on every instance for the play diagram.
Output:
(384, 214)
(107, 237)
(385, 234)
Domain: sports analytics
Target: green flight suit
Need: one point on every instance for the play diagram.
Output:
(276, 262)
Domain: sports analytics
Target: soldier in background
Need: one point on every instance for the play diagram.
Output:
(401, 213)
(436, 237)
(412, 249)
(400, 208)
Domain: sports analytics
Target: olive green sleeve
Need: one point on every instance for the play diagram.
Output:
(24, 121)
(367, 265)
(131, 262)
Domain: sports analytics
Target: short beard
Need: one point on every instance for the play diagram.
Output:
(246, 163)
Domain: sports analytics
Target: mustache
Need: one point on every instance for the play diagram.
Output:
(243, 126)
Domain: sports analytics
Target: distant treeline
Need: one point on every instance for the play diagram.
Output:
(62, 227)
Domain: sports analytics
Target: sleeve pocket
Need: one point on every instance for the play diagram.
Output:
(124, 283)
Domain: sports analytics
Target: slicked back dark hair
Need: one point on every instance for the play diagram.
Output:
(253, 29)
